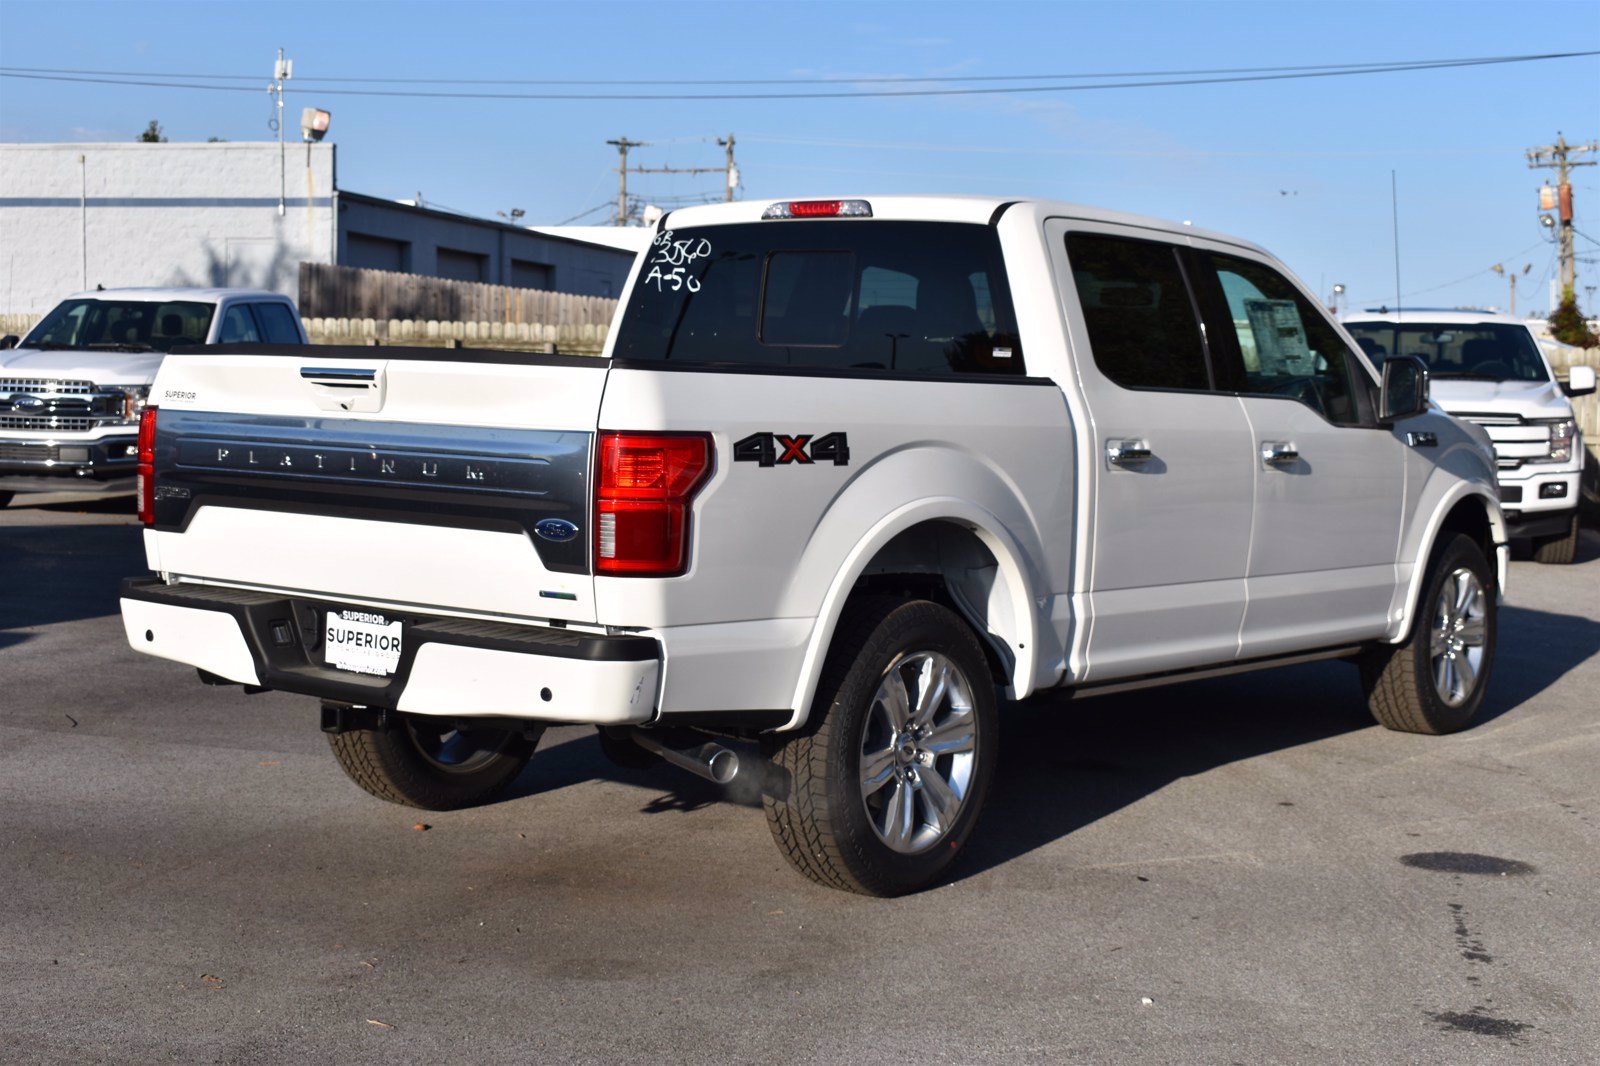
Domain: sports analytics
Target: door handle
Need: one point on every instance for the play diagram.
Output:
(1279, 452)
(1128, 452)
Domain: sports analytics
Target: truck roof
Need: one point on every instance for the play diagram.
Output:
(155, 294)
(1449, 318)
(979, 209)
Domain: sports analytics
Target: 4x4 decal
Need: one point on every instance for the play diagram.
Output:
(777, 449)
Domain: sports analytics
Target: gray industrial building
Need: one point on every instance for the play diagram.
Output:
(73, 216)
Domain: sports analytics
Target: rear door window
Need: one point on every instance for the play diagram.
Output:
(239, 326)
(923, 298)
(277, 322)
(1137, 311)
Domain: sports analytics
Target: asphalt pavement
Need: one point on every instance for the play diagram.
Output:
(1240, 870)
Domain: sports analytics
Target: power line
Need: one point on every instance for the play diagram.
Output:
(1160, 82)
(860, 79)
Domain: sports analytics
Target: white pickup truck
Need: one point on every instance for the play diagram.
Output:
(1489, 369)
(71, 391)
(850, 476)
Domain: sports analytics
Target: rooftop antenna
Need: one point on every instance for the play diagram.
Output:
(1394, 203)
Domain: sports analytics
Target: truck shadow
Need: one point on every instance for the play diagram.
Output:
(1066, 765)
(64, 573)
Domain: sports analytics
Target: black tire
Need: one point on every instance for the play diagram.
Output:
(421, 761)
(829, 822)
(6, 497)
(1423, 685)
(1560, 548)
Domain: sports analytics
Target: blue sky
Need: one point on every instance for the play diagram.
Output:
(1301, 166)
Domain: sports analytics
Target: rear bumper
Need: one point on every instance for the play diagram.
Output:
(447, 666)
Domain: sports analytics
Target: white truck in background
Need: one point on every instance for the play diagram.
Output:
(71, 391)
(1490, 370)
(851, 476)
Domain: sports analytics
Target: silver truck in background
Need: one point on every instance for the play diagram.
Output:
(1489, 369)
(71, 391)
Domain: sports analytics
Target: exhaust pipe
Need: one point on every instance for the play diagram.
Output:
(708, 759)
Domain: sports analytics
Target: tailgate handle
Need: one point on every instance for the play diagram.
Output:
(341, 377)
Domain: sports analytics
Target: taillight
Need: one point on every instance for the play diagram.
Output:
(641, 511)
(147, 466)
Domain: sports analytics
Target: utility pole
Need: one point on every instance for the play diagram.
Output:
(281, 72)
(732, 171)
(623, 144)
(1556, 157)
(625, 214)
(1511, 276)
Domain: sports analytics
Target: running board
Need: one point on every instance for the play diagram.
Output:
(1199, 673)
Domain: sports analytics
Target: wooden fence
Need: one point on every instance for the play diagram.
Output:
(572, 338)
(329, 291)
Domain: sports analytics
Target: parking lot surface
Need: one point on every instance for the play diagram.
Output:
(1237, 870)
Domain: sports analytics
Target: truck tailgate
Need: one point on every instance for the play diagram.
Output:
(453, 481)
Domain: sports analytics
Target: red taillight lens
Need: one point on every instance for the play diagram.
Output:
(147, 466)
(641, 513)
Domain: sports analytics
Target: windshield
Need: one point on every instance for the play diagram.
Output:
(1486, 351)
(122, 325)
(909, 297)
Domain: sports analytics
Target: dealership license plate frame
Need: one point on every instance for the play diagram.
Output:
(362, 642)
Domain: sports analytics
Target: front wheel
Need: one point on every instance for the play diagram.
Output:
(1435, 681)
(420, 761)
(888, 776)
(1561, 548)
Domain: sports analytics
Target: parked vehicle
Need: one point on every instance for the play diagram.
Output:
(850, 476)
(1490, 370)
(72, 390)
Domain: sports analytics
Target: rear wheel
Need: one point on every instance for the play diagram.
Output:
(1435, 681)
(1559, 548)
(887, 778)
(421, 761)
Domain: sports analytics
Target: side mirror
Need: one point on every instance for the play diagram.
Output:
(10, 340)
(1580, 381)
(1405, 389)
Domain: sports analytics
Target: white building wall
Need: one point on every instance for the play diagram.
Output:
(73, 216)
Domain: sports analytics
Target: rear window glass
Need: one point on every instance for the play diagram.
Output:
(909, 297)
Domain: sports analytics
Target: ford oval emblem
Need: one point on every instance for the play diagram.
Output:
(27, 403)
(556, 529)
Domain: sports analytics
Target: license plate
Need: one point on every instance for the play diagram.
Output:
(361, 642)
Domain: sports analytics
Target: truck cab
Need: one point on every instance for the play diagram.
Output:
(71, 391)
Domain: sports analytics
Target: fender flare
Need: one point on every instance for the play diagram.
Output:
(1405, 610)
(989, 530)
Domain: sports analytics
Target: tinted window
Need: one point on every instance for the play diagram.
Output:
(1275, 343)
(1137, 311)
(238, 326)
(919, 297)
(278, 324)
(122, 324)
(1486, 350)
